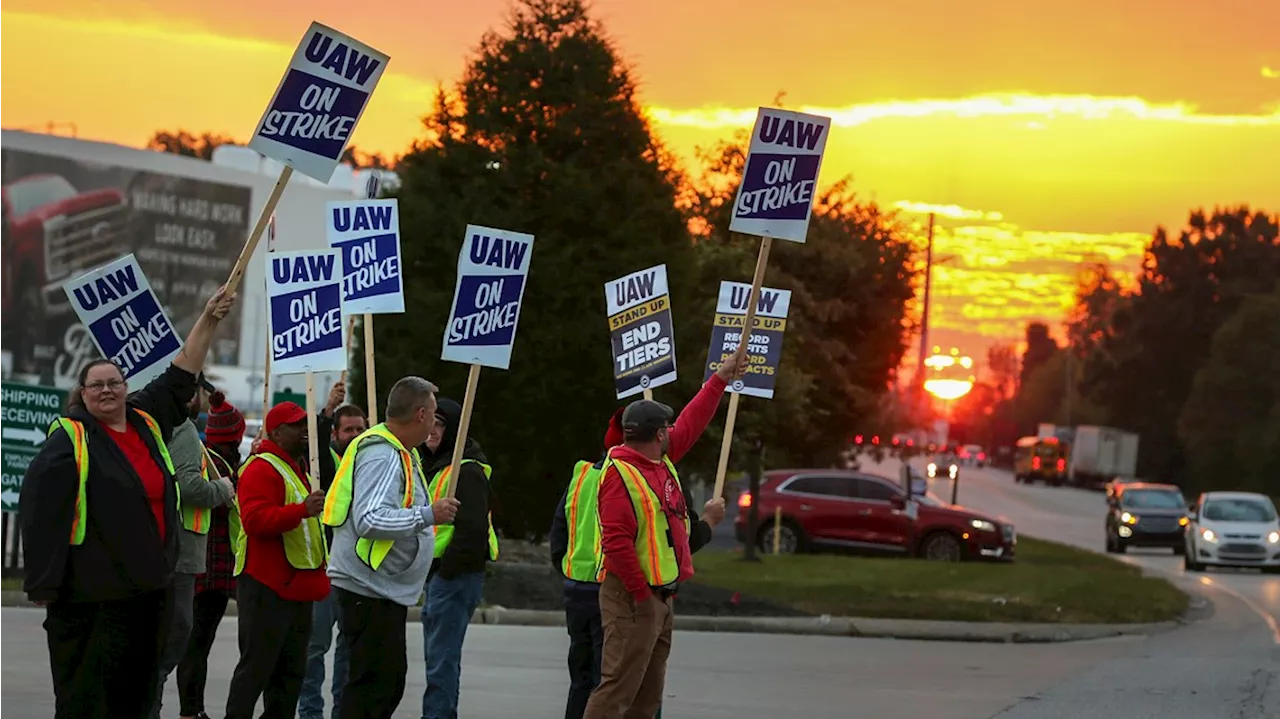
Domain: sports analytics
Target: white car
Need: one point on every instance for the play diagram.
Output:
(1233, 529)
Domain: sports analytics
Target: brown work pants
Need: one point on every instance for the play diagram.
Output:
(633, 668)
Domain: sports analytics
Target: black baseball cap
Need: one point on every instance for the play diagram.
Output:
(645, 416)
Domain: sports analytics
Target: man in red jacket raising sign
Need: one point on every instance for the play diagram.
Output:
(644, 524)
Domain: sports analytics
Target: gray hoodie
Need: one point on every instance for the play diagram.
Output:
(378, 512)
(185, 450)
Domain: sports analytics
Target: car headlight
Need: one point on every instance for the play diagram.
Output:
(1209, 535)
(1274, 537)
(932, 469)
(1183, 521)
(982, 525)
(1128, 518)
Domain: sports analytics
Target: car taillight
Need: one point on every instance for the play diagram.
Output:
(1035, 463)
(1062, 465)
(744, 500)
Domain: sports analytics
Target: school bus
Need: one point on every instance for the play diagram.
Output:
(1042, 458)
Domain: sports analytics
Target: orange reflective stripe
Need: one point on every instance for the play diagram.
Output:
(408, 479)
(642, 487)
(573, 514)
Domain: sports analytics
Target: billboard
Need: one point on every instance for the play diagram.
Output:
(64, 217)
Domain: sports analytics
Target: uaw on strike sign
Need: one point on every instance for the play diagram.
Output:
(304, 295)
(640, 328)
(125, 319)
(764, 344)
(319, 101)
(368, 234)
(781, 175)
(493, 269)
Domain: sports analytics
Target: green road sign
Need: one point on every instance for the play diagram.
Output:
(289, 396)
(26, 411)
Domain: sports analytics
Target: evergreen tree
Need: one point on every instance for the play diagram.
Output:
(543, 134)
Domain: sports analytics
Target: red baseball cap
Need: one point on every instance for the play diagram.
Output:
(284, 413)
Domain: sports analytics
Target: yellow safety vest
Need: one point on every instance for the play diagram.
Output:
(196, 519)
(337, 501)
(444, 532)
(80, 447)
(304, 545)
(583, 557)
(653, 548)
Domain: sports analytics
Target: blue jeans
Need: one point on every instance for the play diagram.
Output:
(445, 616)
(311, 701)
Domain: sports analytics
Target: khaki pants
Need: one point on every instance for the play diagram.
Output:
(633, 668)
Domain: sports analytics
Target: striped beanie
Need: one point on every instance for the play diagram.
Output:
(225, 424)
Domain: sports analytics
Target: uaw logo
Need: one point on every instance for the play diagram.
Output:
(738, 385)
(645, 381)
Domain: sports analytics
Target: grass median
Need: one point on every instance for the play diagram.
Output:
(1048, 582)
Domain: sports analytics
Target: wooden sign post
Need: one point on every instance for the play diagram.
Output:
(313, 432)
(464, 425)
(370, 381)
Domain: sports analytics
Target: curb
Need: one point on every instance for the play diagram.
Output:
(906, 629)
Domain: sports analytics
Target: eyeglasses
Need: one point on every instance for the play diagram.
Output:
(99, 385)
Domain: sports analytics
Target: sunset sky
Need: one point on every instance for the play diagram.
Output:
(1044, 134)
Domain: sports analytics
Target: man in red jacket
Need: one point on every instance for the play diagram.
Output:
(280, 569)
(644, 524)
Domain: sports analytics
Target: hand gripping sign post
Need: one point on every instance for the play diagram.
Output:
(774, 200)
(493, 268)
(125, 319)
(763, 346)
(304, 295)
(367, 232)
(640, 329)
(312, 115)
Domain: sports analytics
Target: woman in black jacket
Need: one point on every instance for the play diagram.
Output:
(102, 560)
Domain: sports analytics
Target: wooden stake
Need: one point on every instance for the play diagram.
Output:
(266, 386)
(748, 326)
(237, 271)
(351, 331)
(777, 528)
(370, 381)
(648, 393)
(473, 378)
(313, 432)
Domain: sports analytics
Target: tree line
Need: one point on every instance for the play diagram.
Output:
(543, 133)
(1188, 358)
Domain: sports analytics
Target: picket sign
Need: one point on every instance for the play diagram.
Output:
(493, 269)
(313, 432)
(641, 332)
(774, 200)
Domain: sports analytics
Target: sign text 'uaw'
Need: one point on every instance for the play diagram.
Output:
(316, 107)
(26, 412)
(304, 294)
(125, 319)
(367, 232)
(781, 175)
(764, 341)
(493, 268)
(641, 331)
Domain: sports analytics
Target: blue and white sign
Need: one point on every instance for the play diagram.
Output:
(493, 267)
(367, 232)
(125, 319)
(304, 295)
(316, 107)
(781, 175)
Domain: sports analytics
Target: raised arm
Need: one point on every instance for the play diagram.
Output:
(697, 414)
(196, 348)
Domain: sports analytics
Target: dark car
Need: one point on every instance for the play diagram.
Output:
(829, 508)
(1146, 514)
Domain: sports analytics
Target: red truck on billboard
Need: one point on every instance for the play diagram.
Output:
(53, 232)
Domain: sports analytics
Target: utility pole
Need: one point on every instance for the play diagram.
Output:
(924, 315)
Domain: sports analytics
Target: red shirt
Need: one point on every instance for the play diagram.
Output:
(265, 518)
(618, 517)
(135, 450)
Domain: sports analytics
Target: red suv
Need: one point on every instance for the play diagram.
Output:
(855, 510)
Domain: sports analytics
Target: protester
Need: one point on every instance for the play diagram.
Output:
(224, 430)
(348, 422)
(199, 495)
(99, 559)
(646, 553)
(383, 546)
(456, 581)
(575, 552)
(280, 569)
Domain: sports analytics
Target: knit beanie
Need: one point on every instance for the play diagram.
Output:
(225, 424)
(613, 436)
